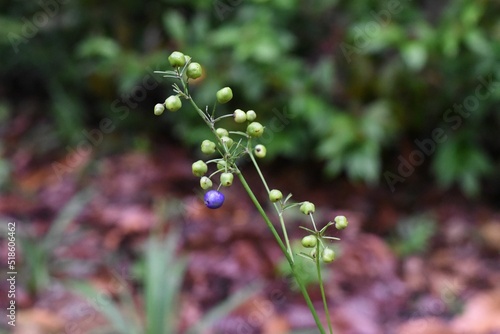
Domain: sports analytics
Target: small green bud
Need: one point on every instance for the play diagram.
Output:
(255, 129)
(199, 168)
(240, 116)
(221, 165)
(205, 182)
(313, 253)
(251, 115)
(194, 71)
(224, 95)
(275, 195)
(260, 151)
(227, 141)
(221, 132)
(309, 241)
(177, 59)
(159, 108)
(173, 103)
(226, 179)
(207, 146)
(328, 255)
(341, 222)
(307, 208)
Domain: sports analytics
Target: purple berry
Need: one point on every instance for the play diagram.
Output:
(214, 199)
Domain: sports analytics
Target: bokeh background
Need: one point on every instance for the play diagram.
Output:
(386, 112)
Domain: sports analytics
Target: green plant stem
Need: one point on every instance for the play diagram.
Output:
(284, 250)
(280, 212)
(322, 289)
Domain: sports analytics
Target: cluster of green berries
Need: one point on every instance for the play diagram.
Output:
(312, 240)
(193, 71)
(230, 150)
(224, 144)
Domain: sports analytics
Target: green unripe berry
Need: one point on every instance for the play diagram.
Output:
(260, 151)
(177, 59)
(199, 168)
(251, 115)
(328, 255)
(207, 146)
(240, 116)
(307, 208)
(173, 103)
(313, 253)
(221, 165)
(194, 71)
(159, 108)
(275, 195)
(224, 95)
(255, 129)
(227, 141)
(221, 132)
(205, 182)
(309, 241)
(341, 222)
(226, 179)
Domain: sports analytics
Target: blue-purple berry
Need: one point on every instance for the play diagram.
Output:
(214, 199)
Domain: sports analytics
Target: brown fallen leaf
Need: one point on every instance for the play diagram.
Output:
(38, 321)
(490, 233)
(481, 314)
(428, 325)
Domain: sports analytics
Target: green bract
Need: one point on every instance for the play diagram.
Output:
(159, 108)
(221, 132)
(307, 208)
(251, 115)
(226, 179)
(255, 129)
(240, 116)
(177, 59)
(309, 241)
(340, 222)
(173, 103)
(205, 182)
(224, 95)
(328, 255)
(199, 168)
(194, 71)
(275, 195)
(221, 165)
(260, 151)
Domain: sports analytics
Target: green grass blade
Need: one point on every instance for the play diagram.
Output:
(65, 217)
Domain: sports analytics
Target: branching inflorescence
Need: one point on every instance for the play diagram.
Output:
(229, 147)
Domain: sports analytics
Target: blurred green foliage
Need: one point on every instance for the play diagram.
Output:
(413, 235)
(354, 83)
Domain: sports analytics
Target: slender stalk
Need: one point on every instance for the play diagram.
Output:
(322, 289)
(283, 249)
(280, 212)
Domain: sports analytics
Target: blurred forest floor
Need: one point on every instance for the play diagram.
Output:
(410, 262)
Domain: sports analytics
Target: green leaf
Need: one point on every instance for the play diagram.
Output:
(414, 55)
(175, 25)
(99, 46)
